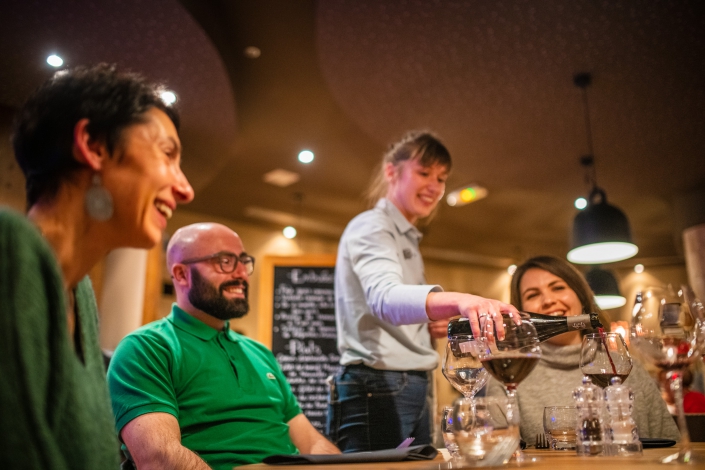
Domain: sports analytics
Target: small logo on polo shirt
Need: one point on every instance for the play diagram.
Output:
(407, 253)
(270, 376)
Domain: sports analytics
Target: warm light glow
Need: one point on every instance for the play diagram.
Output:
(606, 302)
(465, 195)
(622, 328)
(581, 203)
(55, 61)
(289, 232)
(639, 268)
(305, 156)
(599, 253)
(512, 269)
(252, 52)
(168, 97)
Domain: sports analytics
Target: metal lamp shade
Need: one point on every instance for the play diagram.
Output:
(601, 234)
(605, 287)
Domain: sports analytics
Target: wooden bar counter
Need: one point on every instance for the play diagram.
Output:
(550, 460)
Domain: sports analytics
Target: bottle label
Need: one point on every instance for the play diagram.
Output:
(578, 322)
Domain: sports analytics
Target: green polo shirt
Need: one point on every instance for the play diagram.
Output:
(227, 391)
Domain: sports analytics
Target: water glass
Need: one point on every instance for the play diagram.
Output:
(447, 432)
(485, 434)
(559, 425)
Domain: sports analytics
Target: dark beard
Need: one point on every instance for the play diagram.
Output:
(205, 297)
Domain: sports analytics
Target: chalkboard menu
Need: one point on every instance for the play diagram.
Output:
(303, 335)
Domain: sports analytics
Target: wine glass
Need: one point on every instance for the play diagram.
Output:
(603, 356)
(668, 330)
(510, 361)
(462, 366)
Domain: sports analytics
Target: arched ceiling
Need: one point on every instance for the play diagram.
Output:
(346, 78)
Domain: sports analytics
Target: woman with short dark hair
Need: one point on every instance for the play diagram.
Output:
(101, 155)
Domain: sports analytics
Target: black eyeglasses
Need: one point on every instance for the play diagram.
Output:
(227, 261)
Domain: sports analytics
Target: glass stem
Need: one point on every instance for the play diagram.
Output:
(512, 408)
(675, 379)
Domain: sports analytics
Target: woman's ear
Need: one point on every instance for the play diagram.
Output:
(390, 172)
(86, 149)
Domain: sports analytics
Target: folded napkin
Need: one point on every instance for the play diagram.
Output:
(653, 443)
(422, 452)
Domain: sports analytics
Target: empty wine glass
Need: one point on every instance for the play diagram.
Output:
(668, 330)
(462, 366)
(604, 356)
(510, 361)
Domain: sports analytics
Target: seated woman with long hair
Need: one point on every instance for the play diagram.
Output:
(552, 286)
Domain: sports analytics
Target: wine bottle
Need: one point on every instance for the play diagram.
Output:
(547, 326)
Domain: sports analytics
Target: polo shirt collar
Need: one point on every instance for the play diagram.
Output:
(192, 325)
(398, 218)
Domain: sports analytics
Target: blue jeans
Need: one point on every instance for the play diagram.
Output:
(373, 409)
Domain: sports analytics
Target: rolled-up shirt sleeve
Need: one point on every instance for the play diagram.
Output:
(375, 260)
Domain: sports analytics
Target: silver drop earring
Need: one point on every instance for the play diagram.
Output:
(98, 201)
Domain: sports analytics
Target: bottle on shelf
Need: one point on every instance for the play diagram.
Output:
(547, 326)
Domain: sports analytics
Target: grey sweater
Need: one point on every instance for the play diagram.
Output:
(558, 374)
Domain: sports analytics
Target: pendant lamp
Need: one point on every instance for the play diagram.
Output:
(601, 231)
(604, 286)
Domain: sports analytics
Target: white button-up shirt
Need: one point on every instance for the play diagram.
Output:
(380, 293)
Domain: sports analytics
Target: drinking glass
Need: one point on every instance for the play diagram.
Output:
(559, 424)
(462, 366)
(668, 330)
(603, 356)
(485, 434)
(447, 432)
(510, 361)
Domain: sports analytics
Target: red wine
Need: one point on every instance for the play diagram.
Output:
(603, 380)
(547, 326)
(510, 369)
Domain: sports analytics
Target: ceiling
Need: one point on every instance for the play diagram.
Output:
(346, 78)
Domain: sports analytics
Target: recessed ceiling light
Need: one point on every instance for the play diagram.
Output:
(581, 203)
(252, 52)
(289, 232)
(639, 268)
(305, 156)
(512, 269)
(281, 177)
(168, 97)
(55, 61)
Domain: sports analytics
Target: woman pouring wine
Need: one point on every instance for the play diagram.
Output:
(384, 306)
(550, 285)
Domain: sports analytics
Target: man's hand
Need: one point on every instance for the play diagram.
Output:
(307, 439)
(154, 442)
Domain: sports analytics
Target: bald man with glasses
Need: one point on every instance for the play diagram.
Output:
(190, 393)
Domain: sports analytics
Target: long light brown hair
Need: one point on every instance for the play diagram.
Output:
(415, 145)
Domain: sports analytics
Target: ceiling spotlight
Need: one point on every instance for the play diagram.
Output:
(466, 195)
(252, 52)
(581, 203)
(168, 97)
(305, 156)
(289, 232)
(512, 269)
(55, 61)
(639, 268)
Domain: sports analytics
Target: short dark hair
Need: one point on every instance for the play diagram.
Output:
(423, 146)
(566, 271)
(43, 130)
